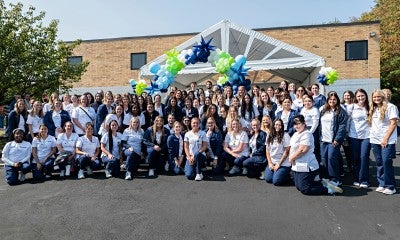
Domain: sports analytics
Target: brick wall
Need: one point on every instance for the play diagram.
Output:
(110, 58)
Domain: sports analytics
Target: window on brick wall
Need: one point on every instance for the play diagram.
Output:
(74, 60)
(356, 50)
(138, 60)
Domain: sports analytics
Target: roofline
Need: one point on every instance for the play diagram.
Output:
(255, 29)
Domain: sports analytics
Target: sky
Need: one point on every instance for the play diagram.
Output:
(102, 19)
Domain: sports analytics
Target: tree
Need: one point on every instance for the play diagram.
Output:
(388, 13)
(32, 60)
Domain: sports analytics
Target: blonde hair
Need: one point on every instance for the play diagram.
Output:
(230, 125)
(153, 137)
(373, 107)
(131, 121)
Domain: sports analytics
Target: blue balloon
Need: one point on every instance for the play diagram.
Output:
(154, 67)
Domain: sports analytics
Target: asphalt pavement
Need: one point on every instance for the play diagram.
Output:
(171, 207)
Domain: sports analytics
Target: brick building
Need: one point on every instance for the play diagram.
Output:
(351, 48)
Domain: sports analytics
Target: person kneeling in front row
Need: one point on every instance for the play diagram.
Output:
(16, 156)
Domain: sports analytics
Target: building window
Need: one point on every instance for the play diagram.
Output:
(138, 60)
(74, 60)
(356, 50)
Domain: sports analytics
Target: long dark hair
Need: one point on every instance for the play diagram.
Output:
(110, 136)
(326, 107)
(274, 134)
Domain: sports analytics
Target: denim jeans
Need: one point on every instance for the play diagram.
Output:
(384, 165)
(132, 161)
(255, 164)
(113, 166)
(12, 172)
(192, 170)
(360, 150)
(86, 161)
(278, 177)
(330, 166)
(157, 160)
(305, 183)
(47, 169)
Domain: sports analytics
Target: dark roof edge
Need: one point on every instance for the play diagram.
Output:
(255, 29)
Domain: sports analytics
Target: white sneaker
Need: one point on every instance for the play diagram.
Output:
(68, 170)
(245, 171)
(331, 186)
(166, 167)
(356, 184)
(108, 174)
(234, 170)
(48, 176)
(80, 174)
(262, 177)
(21, 176)
(89, 170)
(198, 177)
(380, 189)
(151, 172)
(388, 191)
(128, 176)
(62, 173)
(363, 185)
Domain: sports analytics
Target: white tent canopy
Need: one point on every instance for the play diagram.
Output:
(262, 53)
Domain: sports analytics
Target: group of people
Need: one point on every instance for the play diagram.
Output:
(278, 134)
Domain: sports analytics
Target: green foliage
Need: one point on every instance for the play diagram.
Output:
(388, 13)
(32, 60)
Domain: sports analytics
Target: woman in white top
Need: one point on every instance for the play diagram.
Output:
(311, 115)
(304, 163)
(236, 146)
(248, 111)
(48, 106)
(88, 152)
(277, 152)
(82, 115)
(43, 150)
(132, 138)
(359, 131)
(35, 119)
(195, 145)
(66, 143)
(383, 137)
(117, 115)
(111, 148)
(298, 101)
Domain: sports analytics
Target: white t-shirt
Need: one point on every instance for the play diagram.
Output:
(88, 146)
(133, 139)
(116, 143)
(195, 141)
(379, 128)
(276, 150)
(47, 107)
(358, 123)
(44, 146)
(233, 141)
(14, 152)
(21, 124)
(35, 121)
(327, 126)
(83, 118)
(68, 144)
(285, 119)
(308, 161)
(311, 117)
